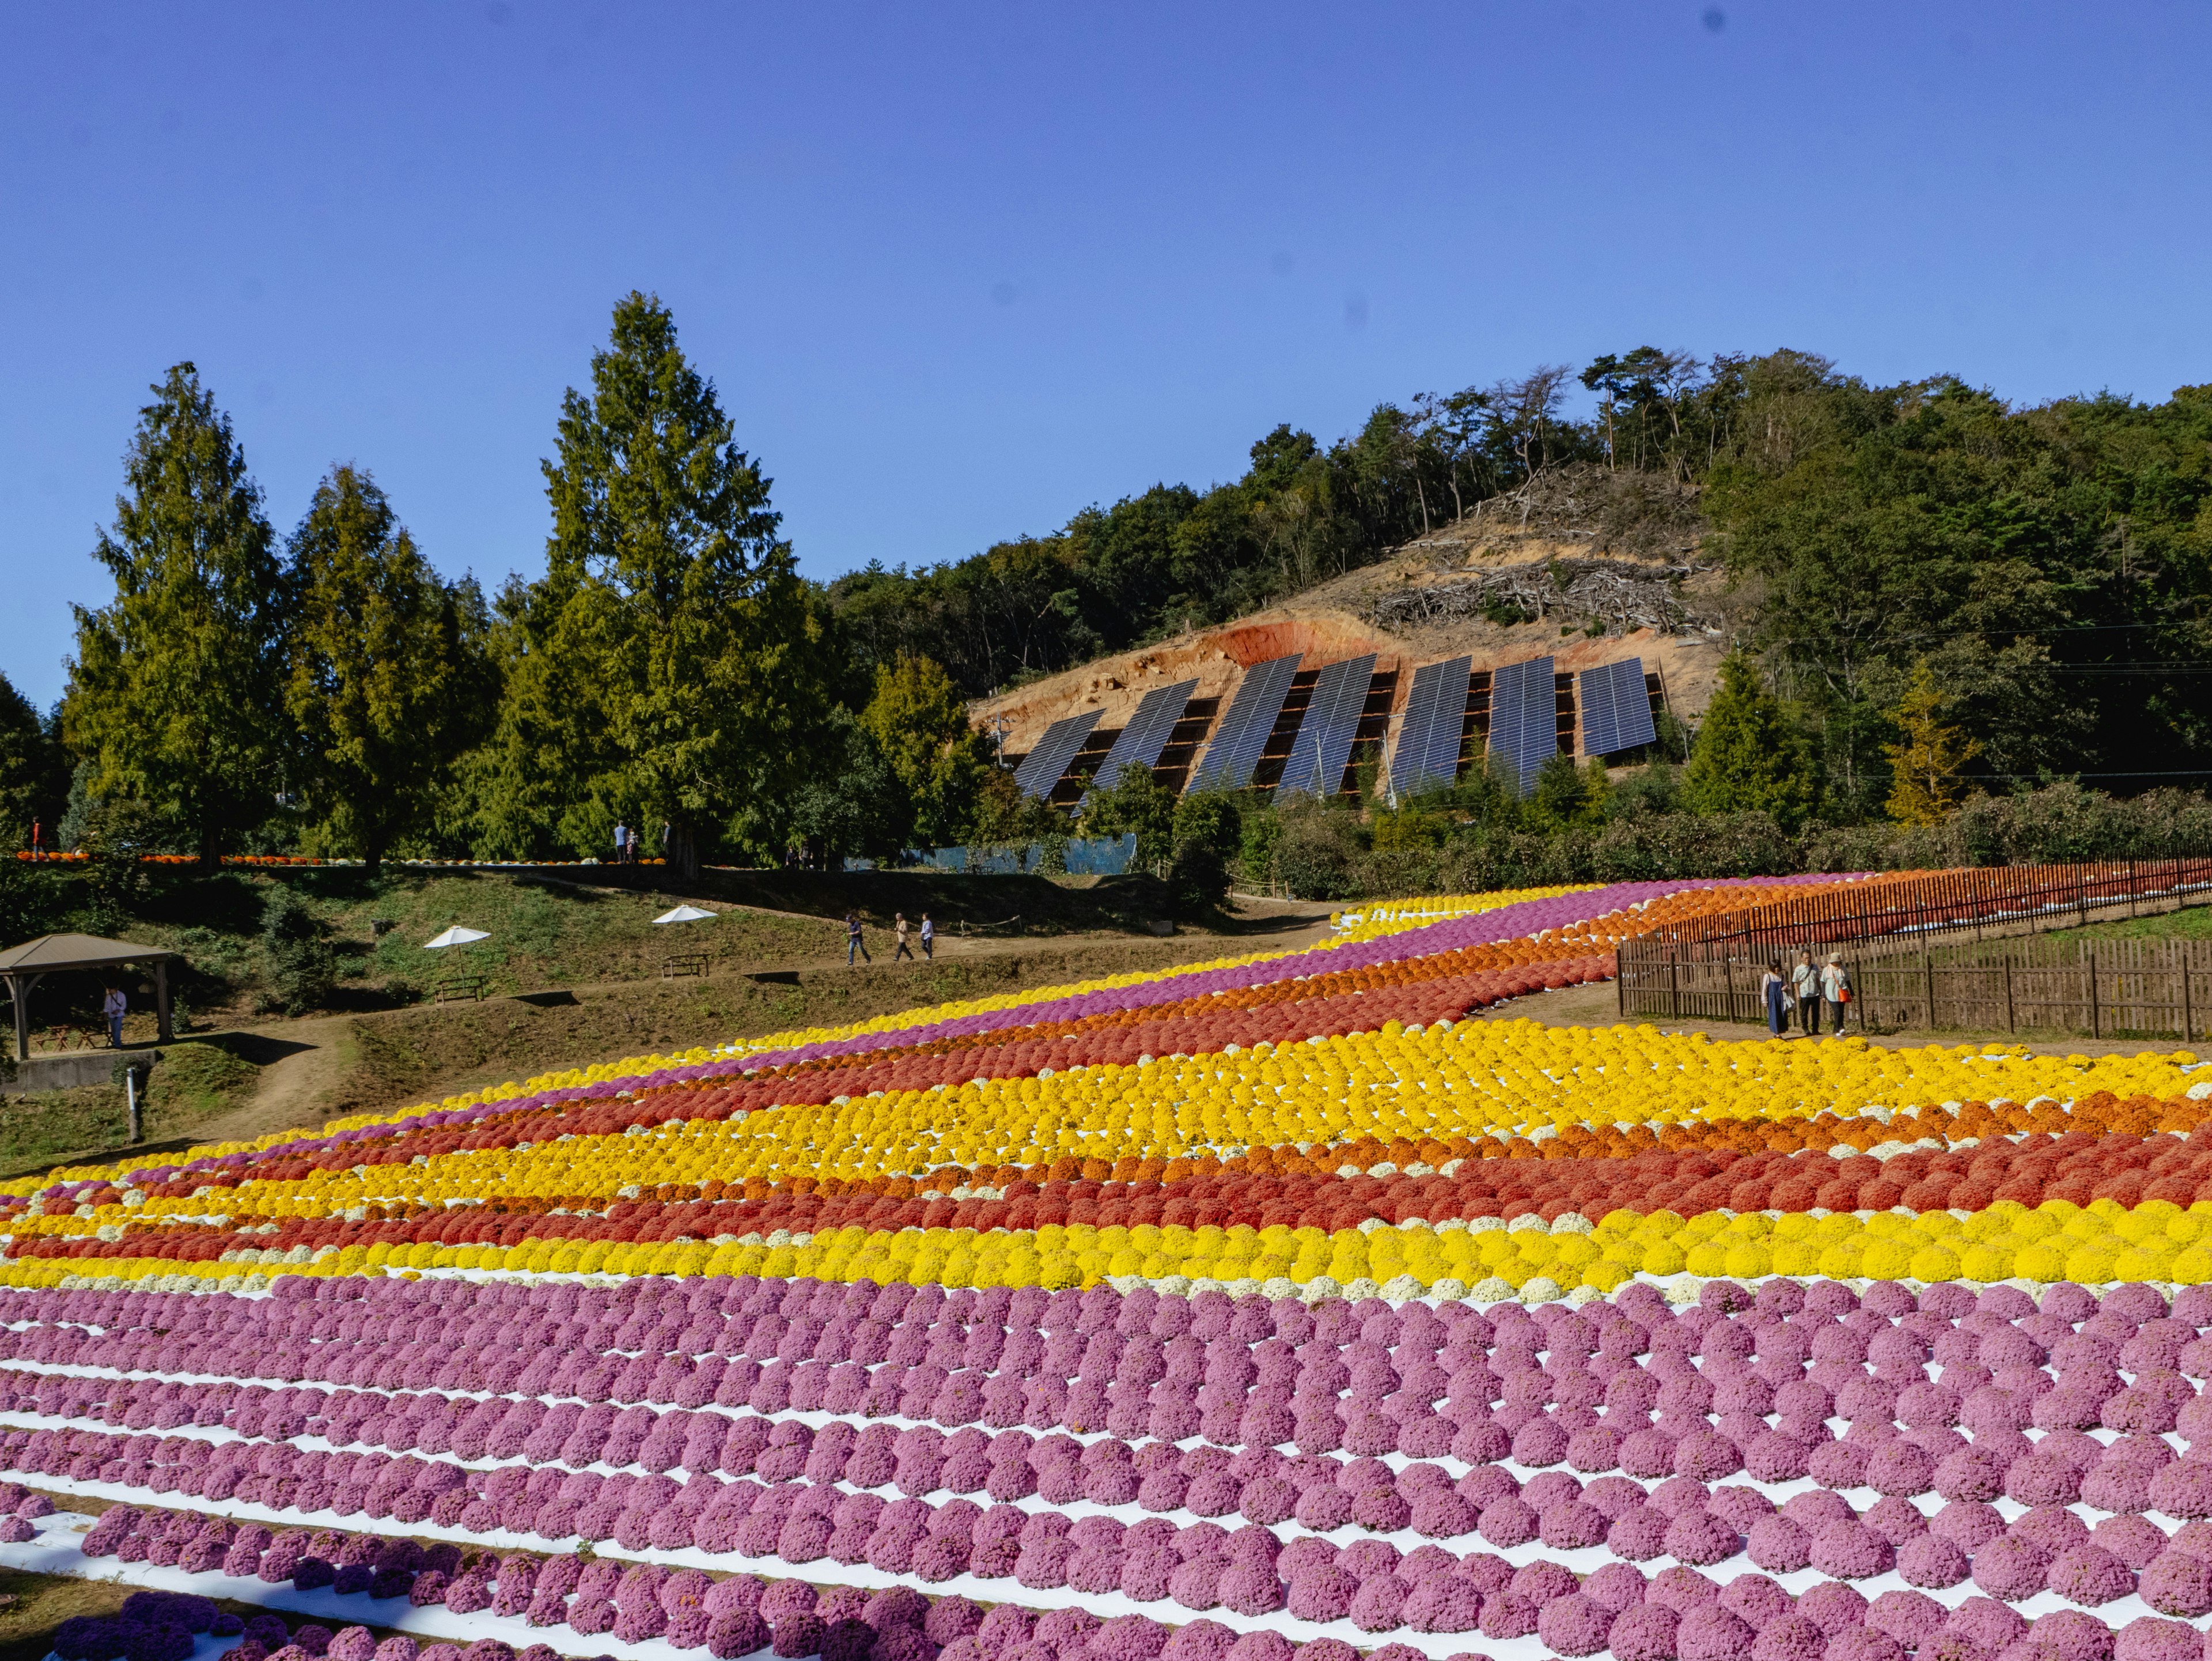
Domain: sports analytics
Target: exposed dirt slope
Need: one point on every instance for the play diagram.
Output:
(1609, 563)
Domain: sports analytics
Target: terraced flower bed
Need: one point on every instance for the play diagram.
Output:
(1255, 1308)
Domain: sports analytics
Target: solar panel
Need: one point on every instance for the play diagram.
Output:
(1429, 738)
(1145, 737)
(1524, 719)
(1323, 744)
(1043, 767)
(1616, 708)
(1236, 748)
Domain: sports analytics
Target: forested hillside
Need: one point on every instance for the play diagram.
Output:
(1932, 594)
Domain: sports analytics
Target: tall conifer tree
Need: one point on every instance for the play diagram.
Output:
(1747, 758)
(176, 691)
(388, 680)
(672, 666)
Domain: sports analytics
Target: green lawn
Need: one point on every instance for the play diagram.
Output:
(2192, 923)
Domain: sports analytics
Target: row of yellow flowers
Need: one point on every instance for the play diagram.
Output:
(2056, 1240)
(1477, 1078)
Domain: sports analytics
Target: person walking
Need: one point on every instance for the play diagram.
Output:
(113, 1006)
(898, 927)
(1774, 991)
(928, 938)
(1805, 986)
(621, 842)
(1836, 990)
(854, 943)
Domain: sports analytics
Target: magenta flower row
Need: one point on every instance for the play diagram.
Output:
(1738, 1360)
(1678, 1613)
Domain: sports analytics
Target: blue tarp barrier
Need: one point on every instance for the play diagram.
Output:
(1090, 856)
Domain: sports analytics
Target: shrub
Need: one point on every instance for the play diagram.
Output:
(300, 969)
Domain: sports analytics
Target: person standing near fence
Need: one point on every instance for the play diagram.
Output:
(621, 842)
(1805, 986)
(1774, 992)
(898, 927)
(928, 938)
(113, 1006)
(854, 943)
(1836, 990)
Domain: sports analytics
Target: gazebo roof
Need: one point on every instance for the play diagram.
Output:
(53, 952)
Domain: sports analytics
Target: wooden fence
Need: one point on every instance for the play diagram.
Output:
(2099, 989)
(1981, 899)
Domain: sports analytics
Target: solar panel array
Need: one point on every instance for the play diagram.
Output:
(1236, 748)
(1616, 708)
(1141, 741)
(1436, 715)
(1044, 766)
(1323, 746)
(1524, 719)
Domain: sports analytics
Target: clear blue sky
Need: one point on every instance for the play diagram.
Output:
(960, 269)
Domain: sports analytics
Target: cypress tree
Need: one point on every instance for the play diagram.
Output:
(1747, 758)
(175, 693)
(389, 682)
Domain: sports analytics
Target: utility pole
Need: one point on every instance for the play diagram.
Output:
(998, 724)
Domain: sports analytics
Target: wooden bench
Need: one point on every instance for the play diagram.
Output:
(685, 963)
(471, 987)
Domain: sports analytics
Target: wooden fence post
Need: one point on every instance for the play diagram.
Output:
(1928, 970)
(2186, 1022)
(1674, 983)
(2094, 1031)
(2011, 1024)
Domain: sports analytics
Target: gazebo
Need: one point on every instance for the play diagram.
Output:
(24, 966)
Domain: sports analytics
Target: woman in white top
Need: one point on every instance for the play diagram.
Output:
(1835, 990)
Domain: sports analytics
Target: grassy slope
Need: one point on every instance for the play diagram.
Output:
(195, 1082)
(2192, 923)
(544, 931)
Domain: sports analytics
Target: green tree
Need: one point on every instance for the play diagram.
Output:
(675, 664)
(1135, 801)
(33, 774)
(176, 690)
(293, 943)
(1004, 814)
(390, 681)
(1747, 758)
(1565, 795)
(860, 808)
(920, 724)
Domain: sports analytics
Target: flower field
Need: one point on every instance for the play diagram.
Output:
(1263, 1307)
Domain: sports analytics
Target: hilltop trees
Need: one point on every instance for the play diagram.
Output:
(1932, 597)
(176, 694)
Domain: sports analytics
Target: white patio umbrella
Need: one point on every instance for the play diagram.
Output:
(686, 913)
(455, 936)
